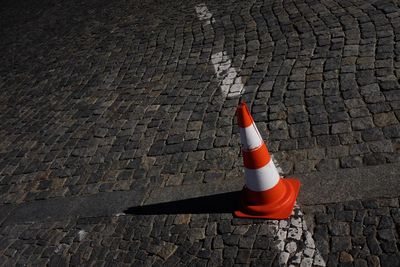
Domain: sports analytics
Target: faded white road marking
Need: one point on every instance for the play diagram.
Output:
(292, 232)
(81, 234)
(61, 248)
(204, 14)
(230, 83)
(295, 242)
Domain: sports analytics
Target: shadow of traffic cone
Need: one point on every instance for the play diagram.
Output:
(266, 194)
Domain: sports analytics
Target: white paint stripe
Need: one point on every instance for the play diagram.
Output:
(231, 84)
(289, 233)
(204, 14)
(263, 178)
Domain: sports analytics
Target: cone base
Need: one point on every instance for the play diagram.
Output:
(279, 209)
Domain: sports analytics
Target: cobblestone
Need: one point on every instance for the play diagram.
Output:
(104, 126)
(361, 239)
(112, 96)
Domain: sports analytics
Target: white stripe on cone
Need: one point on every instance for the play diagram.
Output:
(250, 137)
(263, 178)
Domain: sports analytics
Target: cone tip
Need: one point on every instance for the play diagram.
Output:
(243, 115)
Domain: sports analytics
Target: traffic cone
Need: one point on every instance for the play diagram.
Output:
(266, 194)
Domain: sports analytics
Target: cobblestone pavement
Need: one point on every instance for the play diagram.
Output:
(106, 96)
(355, 233)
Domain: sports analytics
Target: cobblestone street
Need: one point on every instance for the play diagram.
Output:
(106, 106)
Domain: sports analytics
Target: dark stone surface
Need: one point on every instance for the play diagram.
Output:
(109, 105)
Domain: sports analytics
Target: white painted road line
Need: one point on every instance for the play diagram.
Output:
(230, 83)
(204, 14)
(293, 231)
(295, 242)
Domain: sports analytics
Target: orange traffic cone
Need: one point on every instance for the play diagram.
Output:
(266, 194)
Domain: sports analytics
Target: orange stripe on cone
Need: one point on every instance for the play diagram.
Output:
(266, 194)
(256, 158)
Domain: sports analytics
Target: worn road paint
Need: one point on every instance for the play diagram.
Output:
(204, 14)
(295, 242)
(230, 83)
